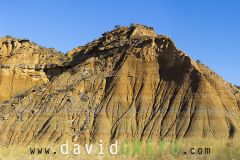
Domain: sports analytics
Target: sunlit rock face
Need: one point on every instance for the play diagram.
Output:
(22, 65)
(129, 84)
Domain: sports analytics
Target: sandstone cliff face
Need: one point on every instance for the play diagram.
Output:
(129, 84)
(22, 65)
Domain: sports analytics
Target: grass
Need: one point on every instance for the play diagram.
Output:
(134, 150)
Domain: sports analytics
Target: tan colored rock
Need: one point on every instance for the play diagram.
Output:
(19, 66)
(129, 84)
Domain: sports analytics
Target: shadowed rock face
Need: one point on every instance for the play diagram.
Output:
(129, 84)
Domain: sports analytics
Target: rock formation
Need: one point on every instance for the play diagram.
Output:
(22, 65)
(129, 84)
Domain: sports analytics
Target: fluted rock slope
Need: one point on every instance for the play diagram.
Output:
(129, 84)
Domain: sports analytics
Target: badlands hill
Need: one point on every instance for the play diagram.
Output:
(129, 84)
(21, 66)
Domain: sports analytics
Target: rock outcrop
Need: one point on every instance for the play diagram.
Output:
(129, 84)
(23, 65)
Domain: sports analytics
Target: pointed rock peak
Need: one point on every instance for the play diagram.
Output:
(123, 32)
(141, 30)
(116, 38)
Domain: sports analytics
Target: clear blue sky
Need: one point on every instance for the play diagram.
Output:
(208, 30)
